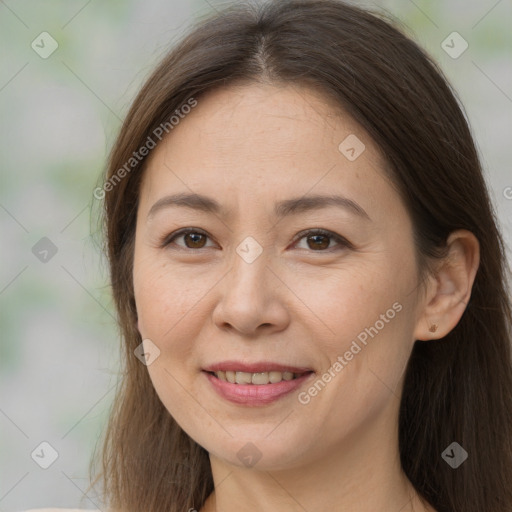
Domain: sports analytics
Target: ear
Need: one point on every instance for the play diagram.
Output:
(449, 290)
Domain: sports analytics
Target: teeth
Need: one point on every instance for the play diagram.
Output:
(274, 377)
(255, 378)
(243, 378)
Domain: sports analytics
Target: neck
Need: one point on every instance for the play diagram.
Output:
(360, 474)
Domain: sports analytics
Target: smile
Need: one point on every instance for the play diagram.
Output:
(258, 379)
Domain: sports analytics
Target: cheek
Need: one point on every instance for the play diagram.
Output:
(369, 316)
(346, 302)
(167, 302)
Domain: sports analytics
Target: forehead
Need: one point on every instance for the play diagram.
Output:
(262, 142)
(255, 113)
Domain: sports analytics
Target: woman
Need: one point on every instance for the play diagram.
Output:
(310, 283)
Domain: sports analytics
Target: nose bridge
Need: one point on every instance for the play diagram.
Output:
(248, 277)
(249, 298)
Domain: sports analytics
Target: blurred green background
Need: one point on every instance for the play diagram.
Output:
(59, 348)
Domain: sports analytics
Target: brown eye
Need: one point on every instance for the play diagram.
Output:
(319, 240)
(316, 242)
(192, 239)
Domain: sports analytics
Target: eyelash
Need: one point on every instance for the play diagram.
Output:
(343, 242)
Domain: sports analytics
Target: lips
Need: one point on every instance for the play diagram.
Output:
(255, 395)
(254, 384)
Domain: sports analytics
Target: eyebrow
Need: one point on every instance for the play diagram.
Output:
(281, 208)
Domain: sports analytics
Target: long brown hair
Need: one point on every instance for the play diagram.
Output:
(458, 388)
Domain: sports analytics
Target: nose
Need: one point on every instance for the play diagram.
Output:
(251, 299)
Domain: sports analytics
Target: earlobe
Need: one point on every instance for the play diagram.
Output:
(450, 289)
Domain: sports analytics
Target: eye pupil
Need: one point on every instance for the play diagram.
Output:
(322, 244)
(196, 242)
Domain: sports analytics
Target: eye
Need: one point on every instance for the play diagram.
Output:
(194, 238)
(320, 239)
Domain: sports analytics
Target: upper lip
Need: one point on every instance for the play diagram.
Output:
(257, 367)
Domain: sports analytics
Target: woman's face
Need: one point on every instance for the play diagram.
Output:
(255, 288)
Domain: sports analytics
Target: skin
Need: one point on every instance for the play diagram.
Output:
(248, 146)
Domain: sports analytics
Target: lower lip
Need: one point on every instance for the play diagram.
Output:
(255, 394)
